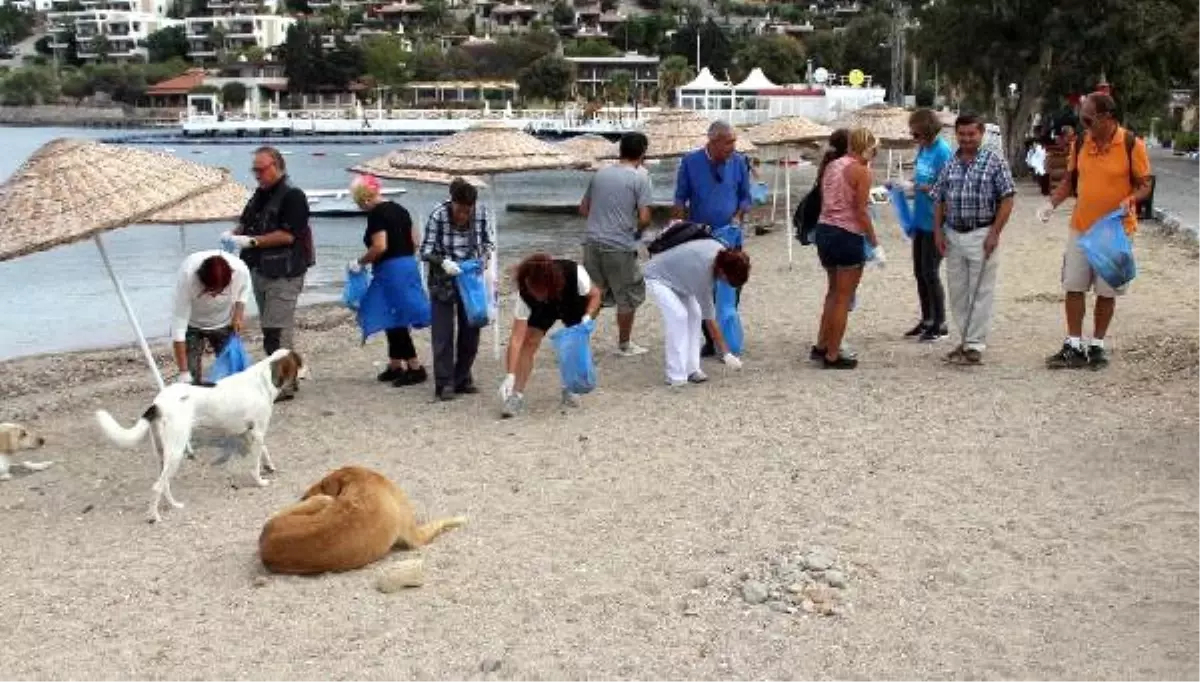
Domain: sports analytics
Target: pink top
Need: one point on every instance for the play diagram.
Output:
(837, 196)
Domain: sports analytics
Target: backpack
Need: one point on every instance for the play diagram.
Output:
(679, 233)
(1130, 142)
(804, 220)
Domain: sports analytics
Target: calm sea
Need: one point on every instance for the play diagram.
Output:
(62, 299)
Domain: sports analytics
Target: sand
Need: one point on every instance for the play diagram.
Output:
(1001, 521)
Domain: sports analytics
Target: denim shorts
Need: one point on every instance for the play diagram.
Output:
(839, 248)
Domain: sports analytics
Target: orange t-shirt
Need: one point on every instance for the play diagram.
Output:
(1104, 179)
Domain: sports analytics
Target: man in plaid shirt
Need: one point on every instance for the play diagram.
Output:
(457, 230)
(974, 198)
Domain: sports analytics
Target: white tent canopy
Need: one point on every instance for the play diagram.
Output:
(757, 80)
(705, 81)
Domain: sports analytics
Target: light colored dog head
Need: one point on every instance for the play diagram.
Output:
(14, 437)
(287, 368)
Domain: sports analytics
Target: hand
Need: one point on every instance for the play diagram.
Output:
(241, 241)
(1130, 205)
(990, 243)
(585, 319)
(354, 267)
(506, 386)
(731, 361)
(939, 240)
(1044, 213)
(451, 268)
(906, 185)
(880, 259)
(238, 324)
(184, 378)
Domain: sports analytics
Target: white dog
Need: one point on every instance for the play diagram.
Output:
(14, 437)
(239, 405)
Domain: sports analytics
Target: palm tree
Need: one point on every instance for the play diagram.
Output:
(674, 73)
(620, 83)
(217, 35)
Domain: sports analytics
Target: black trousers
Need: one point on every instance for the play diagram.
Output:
(453, 354)
(400, 345)
(709, 347)
(926, 264)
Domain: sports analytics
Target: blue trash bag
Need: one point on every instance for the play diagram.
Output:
(232, 359)
(1109, 251)
(730, 235)
(472, 288)
(759, 193)
(395, 298)
(355, 288)
(573, 348)
(903, 209)
(728, 318)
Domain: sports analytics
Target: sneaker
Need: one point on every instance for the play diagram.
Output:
(677, 383)
(956, 356)
(842, 362)
(630, 349)
(569, 399)
(412, 377)
(816, 354)
(1097, 357)
(513, 405)
(391, 374)
(708, 351)
(847, 352)
(443, 394)
(468, 388)
(697, 377)
(916, 331)
(1069, 357)
(934, 333)
(972, 356)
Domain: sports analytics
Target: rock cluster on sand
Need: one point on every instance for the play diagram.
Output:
(807, 581)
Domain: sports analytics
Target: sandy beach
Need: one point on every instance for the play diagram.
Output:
(1001, 521)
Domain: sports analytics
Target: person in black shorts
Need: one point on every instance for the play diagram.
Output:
(549, 290)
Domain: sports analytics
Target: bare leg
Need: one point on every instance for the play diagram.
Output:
(1103, 315)
(533, 340)
(1076, 309)
(847, 282)
(826, 311)
(625, 326)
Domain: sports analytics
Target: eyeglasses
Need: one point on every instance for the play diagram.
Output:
(259, 170)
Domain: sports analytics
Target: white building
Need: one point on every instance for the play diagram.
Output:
(592, 74)
(27, 5)
(237, 32)
(124, 25)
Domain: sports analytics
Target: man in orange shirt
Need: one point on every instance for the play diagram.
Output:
(1106, 174)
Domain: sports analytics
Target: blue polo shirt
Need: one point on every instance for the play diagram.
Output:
(930, 162)
(713, 192)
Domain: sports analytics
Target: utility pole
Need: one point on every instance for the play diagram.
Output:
(899, 53)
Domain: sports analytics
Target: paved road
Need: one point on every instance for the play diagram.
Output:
(1178, 186)
(25, 48)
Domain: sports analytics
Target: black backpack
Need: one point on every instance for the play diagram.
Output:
(679, 233)
(1130, 142)
(804, 220)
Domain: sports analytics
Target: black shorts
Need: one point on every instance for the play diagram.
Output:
(839, 248)
(544, 320)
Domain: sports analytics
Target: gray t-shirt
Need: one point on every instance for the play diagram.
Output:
(615, 194)
(687, 270)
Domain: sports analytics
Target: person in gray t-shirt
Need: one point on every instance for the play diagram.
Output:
(617, 206)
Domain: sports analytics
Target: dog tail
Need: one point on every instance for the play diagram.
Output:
(121, 436)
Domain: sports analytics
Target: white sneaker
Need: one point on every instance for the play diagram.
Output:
(513, 405)
(569, 399)
(630, 349)
(697, 377)
(677, 383)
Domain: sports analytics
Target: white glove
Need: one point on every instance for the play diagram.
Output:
(451, 268)
(1044, 213)
(354, 267)
(241, 241)
(585, 319)
(184, 378)
(880, 259)
(905, 186)
(506, 386)
(731, 361)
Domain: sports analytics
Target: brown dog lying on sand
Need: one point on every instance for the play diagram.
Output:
(352, 517)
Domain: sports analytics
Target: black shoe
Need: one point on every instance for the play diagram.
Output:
(443, 394)
(708, 351)
(842, 362)
(916, 331)
(934, 333)
(1097, 357)
(391, 374)
(466, 389)
(816, 354)
(411, 377)
(1069, 357)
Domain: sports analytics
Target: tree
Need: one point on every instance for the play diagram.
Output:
(866, 46)
(619, 86)
(590, 48)
(563, 13)
(198, 8)
(15, 24)
(101, 46)
(426, 63)
(233, 94)
(75, 85)
(645, 34)
(827, 50)
(385, 59)
(29, 86)
(925, 95)
(550, 78)
(673, 73)
(217, 36)
(301, 55)
(435, 13)
(780, 57)
(166, 44)
(716, 49)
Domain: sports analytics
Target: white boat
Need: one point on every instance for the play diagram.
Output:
(337, 202)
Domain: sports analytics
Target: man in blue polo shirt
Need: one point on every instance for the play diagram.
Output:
(713, 187)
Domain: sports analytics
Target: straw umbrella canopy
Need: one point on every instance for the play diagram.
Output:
(381, 167)
(888, 124)
(589, 146)
(71, 190)
(787, 130)
(223, 202)
(678, 133)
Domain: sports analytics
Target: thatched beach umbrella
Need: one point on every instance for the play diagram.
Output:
(676, 133)
(71, 190)
(589, 147)
(224, 202)
(487, 149)
(783, 132)
(888, 124)
(381, 168)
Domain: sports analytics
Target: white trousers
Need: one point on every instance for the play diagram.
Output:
(966, 274)
(681, 330)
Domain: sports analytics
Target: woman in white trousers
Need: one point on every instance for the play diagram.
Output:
(681, 282)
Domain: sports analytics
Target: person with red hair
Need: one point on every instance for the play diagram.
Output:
(211, 293)
(549, 290)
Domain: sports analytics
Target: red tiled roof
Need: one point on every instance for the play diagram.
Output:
(179, 85)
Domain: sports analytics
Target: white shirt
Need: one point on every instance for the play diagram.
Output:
(1036, 159)
(521, 310)
(194, 308)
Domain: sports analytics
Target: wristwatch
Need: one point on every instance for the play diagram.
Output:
(253, 243)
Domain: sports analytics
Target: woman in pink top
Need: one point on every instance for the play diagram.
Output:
(843, 226)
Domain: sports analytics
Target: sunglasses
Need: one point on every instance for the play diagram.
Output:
(259, 170)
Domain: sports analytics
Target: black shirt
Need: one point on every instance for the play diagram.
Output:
(567, 305)
(394, 220)
(292, 216)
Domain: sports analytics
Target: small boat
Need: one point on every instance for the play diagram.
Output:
(337, 202)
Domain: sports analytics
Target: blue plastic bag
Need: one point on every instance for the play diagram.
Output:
(355, 288)
(473, 290)
(904, 212)
(730, 235)
(1109, 251)
(232, 359)
(573, 348)
(759, 193)
(395, 298)
(728, 318)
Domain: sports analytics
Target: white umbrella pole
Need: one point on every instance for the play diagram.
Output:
(787, 193)
(182, 241)
(137, 328)
(775, 190)
(494, 266)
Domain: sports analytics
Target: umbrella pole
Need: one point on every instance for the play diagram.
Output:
(775, 190)
(787, 193)
(494, 266)
(182, 241)
(137, 328)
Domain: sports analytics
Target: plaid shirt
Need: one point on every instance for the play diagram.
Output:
(971, 192)
(442, 240)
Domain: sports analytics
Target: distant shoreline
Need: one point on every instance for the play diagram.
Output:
(61, 115)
